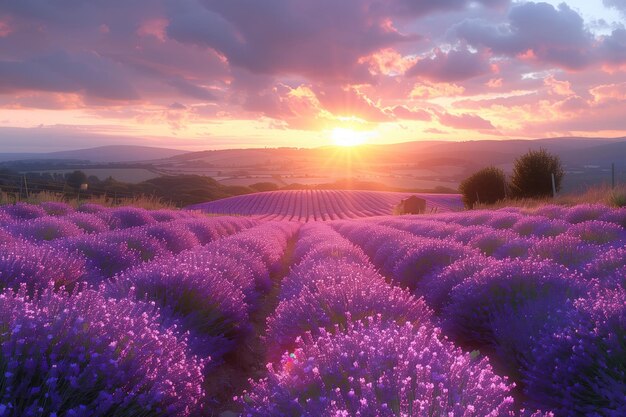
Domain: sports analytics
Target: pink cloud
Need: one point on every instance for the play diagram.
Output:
(465, 121)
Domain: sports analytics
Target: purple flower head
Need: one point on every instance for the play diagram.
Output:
(564, 249)
(580, 370)
(551, 211)
(502, 288)
(334, 270)
(330, 305)
(615, 215)
(105, 258)
(598, 232)
(429, 256)
(38, 267)
(23, 211)
(54, 208)
(503, 220)
(539, 226)
(490, 242)
(174, 236)
(85, 355)
(465, 234)
(201, 301)
(584, 212)
(46, 228)
(379, 368)
(88, 223)
(435, 288)
(125, 217)
(163, 216)
(609, 268)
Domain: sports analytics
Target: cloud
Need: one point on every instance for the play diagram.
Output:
(451, 66)
(534, 30)
(618, 4)
(465, 121)
(405, 113)
(89, 73)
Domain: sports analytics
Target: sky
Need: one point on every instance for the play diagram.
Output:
(211, 74)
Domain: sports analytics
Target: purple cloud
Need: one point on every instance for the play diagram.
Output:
(556, 36)
(455, 65)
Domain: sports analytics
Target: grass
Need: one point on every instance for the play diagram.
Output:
(142, 201)
(602, 194)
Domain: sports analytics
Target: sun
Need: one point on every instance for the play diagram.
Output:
(348, 137)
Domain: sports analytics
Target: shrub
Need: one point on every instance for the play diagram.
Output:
(379, 369)
(485, 186)
(532, 172)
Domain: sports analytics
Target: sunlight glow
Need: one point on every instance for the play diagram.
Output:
(348, 137)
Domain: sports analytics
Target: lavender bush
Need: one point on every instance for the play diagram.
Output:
(379, 369)
(85, 355)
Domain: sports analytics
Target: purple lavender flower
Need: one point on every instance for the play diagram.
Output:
(202, 300)
(38, 267)
(503, 220)
(92, 208)
(539, 226)
(584, 212)
(429, 256)
(379, 369)
(490, 242)
(597, 232)
(502, 289)
(23, 211)
(334, 270)
(88, 223)
(85, 355)
(328, 303)
(609, 268)
(580, 370)
(46, 228)
(125, 217)
(435, 288)
(567, 250)
(174, 236)
(54, 208)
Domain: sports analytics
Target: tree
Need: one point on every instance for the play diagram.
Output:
(76, 178)
(532, 174)
(485, 186)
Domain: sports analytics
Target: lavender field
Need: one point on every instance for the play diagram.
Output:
(129, 312)
(322, 205)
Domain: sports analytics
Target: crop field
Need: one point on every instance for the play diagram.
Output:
(130, 312)
(316, 205)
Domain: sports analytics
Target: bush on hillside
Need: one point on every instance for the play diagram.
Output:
(485, 186)
(532, 174)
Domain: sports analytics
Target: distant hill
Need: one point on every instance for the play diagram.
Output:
(101, 154)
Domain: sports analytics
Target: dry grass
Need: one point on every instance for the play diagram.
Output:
(142, 201)
(594, 195)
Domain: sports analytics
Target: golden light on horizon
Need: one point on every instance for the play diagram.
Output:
(347, 137)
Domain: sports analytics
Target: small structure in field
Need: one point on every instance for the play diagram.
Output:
(411, 205)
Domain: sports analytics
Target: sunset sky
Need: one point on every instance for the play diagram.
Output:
(207, 74)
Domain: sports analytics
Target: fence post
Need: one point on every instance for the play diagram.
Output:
(612, 175)
(553, 186)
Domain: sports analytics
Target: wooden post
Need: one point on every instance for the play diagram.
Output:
(553, 187)
(612, 175)
(26, 187)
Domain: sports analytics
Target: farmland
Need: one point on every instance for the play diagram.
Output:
(291, 304)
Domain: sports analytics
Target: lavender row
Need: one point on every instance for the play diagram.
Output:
(354, 345)
(523, 309)
(209, 291)
(88, 218)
